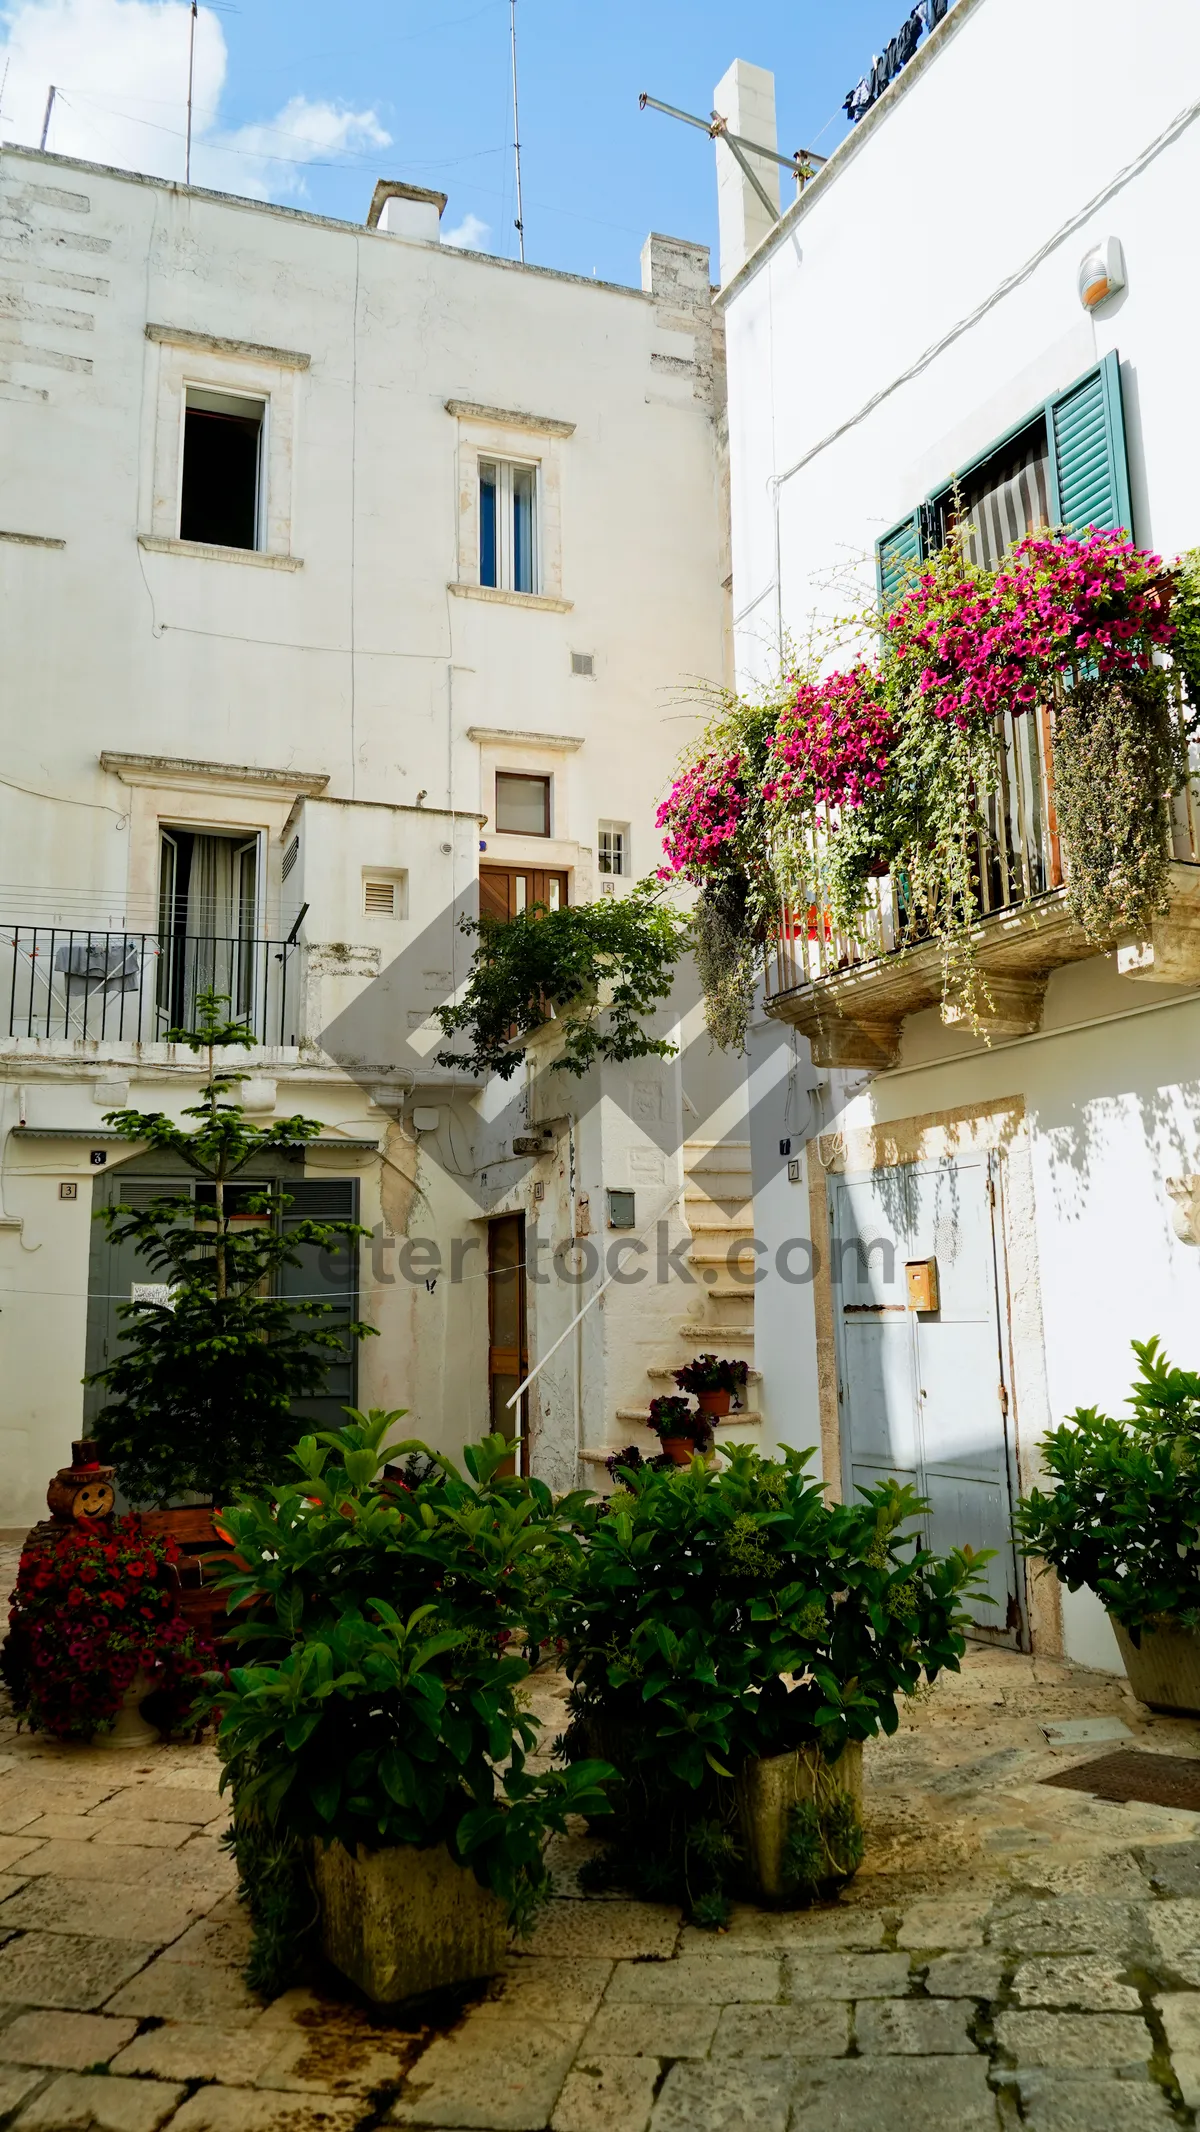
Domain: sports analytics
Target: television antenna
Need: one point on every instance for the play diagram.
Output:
(520, 221)
(803, 165)
(187, 154)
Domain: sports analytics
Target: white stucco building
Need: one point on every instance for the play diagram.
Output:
(915, 317)
(343, 575)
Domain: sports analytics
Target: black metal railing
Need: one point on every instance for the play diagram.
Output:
(70, 983)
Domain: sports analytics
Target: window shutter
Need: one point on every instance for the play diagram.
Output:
(894, 555)
(1088, 468)
(328, 1277)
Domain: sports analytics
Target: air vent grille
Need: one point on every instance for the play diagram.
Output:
(290, 856)
(379, 899)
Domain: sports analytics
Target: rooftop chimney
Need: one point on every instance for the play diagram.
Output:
(745, 99)
(406, 211)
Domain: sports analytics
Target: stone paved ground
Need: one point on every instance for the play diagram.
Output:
(1008, 1956)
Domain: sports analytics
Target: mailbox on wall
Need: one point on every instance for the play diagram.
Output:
(922, 1277)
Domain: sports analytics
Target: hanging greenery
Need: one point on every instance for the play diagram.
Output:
(1117, 753)
(602, 968)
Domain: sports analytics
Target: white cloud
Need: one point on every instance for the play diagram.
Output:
(470, 236)
(120, 70)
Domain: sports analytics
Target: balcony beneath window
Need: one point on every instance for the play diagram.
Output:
(850, 992)
(77, 986)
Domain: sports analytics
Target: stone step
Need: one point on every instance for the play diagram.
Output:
(749, 1415)
(667, 1376)
(706, 1147)
(695, 1329)
(735, 1198)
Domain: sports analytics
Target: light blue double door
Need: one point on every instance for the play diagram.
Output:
(922, 1395)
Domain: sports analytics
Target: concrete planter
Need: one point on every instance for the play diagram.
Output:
(1165, 1670)
(766, 1792)
(404, 1921)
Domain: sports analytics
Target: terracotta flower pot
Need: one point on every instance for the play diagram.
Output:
(714, 1404)
(680, 1448)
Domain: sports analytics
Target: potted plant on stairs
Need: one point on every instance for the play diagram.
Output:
(1124, 1519)
(680, 1428)
(375, 1740)
(714, 1379)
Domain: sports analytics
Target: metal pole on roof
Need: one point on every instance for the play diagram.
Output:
(520, 223)
(801, 165)
(46, 115)
(187, 157)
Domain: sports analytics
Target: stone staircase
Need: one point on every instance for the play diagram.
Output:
(717, 1316)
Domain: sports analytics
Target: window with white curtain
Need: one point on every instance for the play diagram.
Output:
(508, 526)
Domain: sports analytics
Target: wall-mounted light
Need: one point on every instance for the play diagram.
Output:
(1101, 273)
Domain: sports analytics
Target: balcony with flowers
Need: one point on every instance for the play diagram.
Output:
(1005, 787)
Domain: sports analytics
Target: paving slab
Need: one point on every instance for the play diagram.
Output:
(914, 2028)
(120, 1912)
(629, 2031)
(1057, 2102)
(943, 1925)
(846, 1976)
(1090, 2042)
(811, 2030)
(1070, 1925)
(612, 1930)
(607, 2095)
(1181, 2020)
(1174, 1868)
(730, 2095)
(186, 2050)
(1085, 1981)
(179, 1991)
(532, 1984)
(83, 2102)
(15, 2084)
(965, 1976)
(220, 2109)
(918, 2094)
(487, 2079)
(72, 2042)
(66, 1969)
(717, 1979)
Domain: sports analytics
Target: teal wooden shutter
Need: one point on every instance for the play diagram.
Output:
(326, 1277)
(1089, 474)
(894, 556)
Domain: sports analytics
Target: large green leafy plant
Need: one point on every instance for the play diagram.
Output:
(201, 1392)
(719, 1616)
(1124, 1515)
(381, 1698)
(603, 968)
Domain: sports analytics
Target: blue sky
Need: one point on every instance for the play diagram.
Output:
(305, 103)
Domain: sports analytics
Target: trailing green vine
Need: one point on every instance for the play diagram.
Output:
(601, 969)
(1117, 754)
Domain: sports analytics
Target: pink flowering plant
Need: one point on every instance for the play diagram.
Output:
(832, 742)
(975, 643)
(795, 802)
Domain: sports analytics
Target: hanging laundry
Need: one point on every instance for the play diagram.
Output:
(885, 65)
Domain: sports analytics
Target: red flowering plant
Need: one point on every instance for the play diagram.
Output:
(95, 1605)
(832, 742)
(701, 815)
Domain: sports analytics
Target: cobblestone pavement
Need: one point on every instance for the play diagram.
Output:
(1008, 1955)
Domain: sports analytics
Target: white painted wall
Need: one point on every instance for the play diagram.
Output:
(920, 300)
(353, 660)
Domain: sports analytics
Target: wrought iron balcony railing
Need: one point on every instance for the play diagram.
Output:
(1019, 863)
(68, 983)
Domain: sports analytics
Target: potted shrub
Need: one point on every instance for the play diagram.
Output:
(375, 1740)
(95, 1629)
(732, 1640)
(714, 1379)
(1124, 1519)
(680, 1429)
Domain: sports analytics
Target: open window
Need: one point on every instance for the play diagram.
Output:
(221, 499)
(1065, 465)
(508, 526)
(207, 921)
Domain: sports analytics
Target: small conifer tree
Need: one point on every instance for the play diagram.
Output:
(201, 1392)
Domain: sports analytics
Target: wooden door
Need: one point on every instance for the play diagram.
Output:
(508, 1350)
(506, 891)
